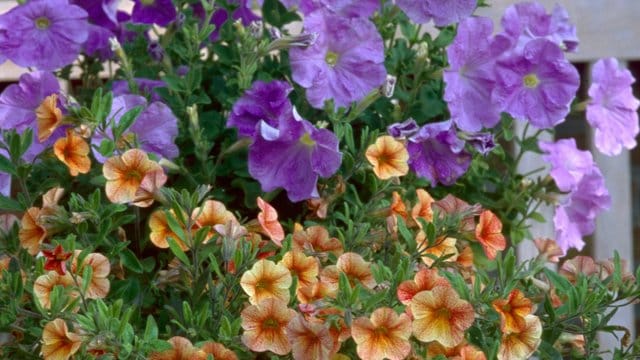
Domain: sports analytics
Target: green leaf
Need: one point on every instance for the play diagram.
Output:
(126, 121)
(177, 251)
(130, 261)
(10, 204)
(7, 166)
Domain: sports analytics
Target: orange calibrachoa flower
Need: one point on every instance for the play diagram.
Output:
(149, 188)
(31, 234)
(99, 285)
(310, 340)
(465, 258)
(489, 234)
(513, 311)
(352, 265)
(182, 349)
(160, 230)
(384, 336)
(317, 291)
(549, 250)
(442, 247)
(470, 352)
(125, 173)
(44, 284)
(58, 343)
(440, 315)
(580, 264)
(219, 351)
(268, 219)
(73, 151)
(266, 280)
(520, 345)
(389, 157)
(264, 326)
(422, 209)
(425, 279)
(213, 213)
(306, 268)
(48, 117)
(315, 239)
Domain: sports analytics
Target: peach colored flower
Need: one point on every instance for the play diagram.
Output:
(352, 265)
(465, 258)
(31, 234)
(315, 239)
(310, 340)
(451, 205)
(73, 151)
(99, 285)
(470, 352)
(44, 284)
(422, 209)
(266, 280)
(384, 336)
(149, 188)
(306, 268)
(58, 343)
(397, 206)
(125, 173)
(213, 213)
(265, 325)
(425, 279)
(219, 351)
(489, 234)
(160, 230)
(389, 157)
(317, 291)
(440, 315)
(52, 197)
(513, 311)
(48, 117)
(549, 249)
(182, 349)
(578, 265)
(268, 219)
(442, 247)
(521, 345)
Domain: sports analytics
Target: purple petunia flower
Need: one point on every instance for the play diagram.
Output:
(145, 86)
(160, 12)
(293, 156)
(266, 102)
(346, 8)
(155, 129)
(404, 129)
(443, 13)
(218, 18)
(482, 142)
(103, 20)
(526, 21)
(5, 178)
(345, 63)
(613, 110)
(44, 34)
(537, 85)
(470, 78)
(437, 154)
(244, 12)
(18, 104)
(568, 164)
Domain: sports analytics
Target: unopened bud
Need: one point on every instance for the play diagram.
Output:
(389, 86)
(274, 33)
(285, 42)
(168, 164)
(256, 28)
(116, 47)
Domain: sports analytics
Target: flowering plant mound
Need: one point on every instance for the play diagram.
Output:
(306, 179)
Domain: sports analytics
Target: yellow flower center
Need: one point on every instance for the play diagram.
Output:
(126, 141)
(506, 308)
(271, 323)
(147, 2)
(381, 330)
(134, 175)
(331, 58)
(531, 81)
(42, 23)
(307, 140)
(445, 313)
(261, 284)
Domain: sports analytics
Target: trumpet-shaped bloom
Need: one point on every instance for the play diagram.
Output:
(219, 351)
(315, 239)
(56, 260)
(443, 13)
(489, 234)
(548, 249)
(99, 284)
(48, 117)
(44, 284)
(306, 268)
(310, 340)
(268, 219)
(356, 268)
(383, 336)
(181, 349)
(265, 326)
(293, 157)
(73, 151)
(160, 12)
(451, 205)
(513, 311)
(149, 188)
(422, 209)
(613, 110)
(266, 280)
(437, 154)
(573, 268)
(58, 343)
(31, 234)
(213, 213)
(440, 315)
(537, 85)
(568, 164)
(404, 129)
(125, 173)
(521, 345)
(425, 279)
(389, 158)
(344, 64)
(442, 247)
(43, 34)
(161, 232)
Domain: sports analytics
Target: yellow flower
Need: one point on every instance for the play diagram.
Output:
(389, 157)
(266, 280)
(520, 345)
(58, 343)
(264, 326)
(125, 173)
(73, 151)
(384, 336)
(48, 117)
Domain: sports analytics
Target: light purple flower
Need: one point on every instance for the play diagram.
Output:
(575, 217)
(613, 110)
(18, 104)
(44, 34)
(266, 102)
(437, 154)
(404, 129)
(442, 12)
(344, 64)
(218, 18)
(155, 129)
(244, 12)
(346, 8)
(525, 21)
(160, 12)
(470, 77)
(103, 20)
(482, 142)
(146, 87)
(293, 157)
(537, 85)
(568, 164)
(5, 178)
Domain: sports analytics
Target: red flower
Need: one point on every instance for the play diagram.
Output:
(56, 260)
